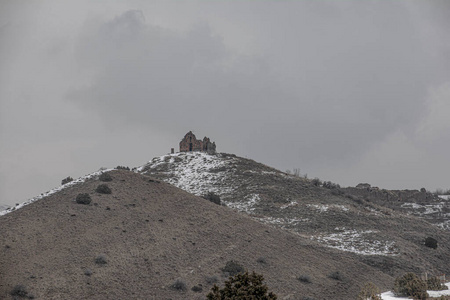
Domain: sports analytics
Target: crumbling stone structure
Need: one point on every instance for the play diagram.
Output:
(190, 143)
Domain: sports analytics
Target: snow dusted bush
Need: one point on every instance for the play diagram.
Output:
(214, 198)
(66, 180)
(83, 199)
(411, 285)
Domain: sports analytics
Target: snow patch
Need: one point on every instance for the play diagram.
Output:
(195, 172)
(247, 206)
(292, 203)
(325, 207)
(282, 221)
(357, 241)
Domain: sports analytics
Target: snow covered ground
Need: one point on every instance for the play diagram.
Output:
(433, 294)
(326, 207)
(195, 172)
(357, 241)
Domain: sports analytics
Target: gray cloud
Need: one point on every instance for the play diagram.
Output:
(347, 91)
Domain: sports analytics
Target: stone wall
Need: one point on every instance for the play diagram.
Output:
(190, 143)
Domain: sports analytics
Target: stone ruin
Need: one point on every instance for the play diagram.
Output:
(190, 143)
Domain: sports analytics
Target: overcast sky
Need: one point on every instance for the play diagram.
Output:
(347, 91)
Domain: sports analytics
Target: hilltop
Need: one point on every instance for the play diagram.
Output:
(150, 234)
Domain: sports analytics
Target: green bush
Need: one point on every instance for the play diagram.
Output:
(431, 243)
(369, 292)
(83, 199)
(411, 285)
(105, 177)
(434, 284)
(66, 180)
(103, 189)
(242, 286)
(233, 268)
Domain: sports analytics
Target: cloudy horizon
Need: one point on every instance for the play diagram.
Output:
(346, 91)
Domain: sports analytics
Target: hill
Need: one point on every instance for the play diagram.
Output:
(381, 233)
(151, 234)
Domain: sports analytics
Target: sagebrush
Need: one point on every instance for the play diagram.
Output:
(411, 285)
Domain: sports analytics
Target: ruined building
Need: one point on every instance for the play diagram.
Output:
(190, 143)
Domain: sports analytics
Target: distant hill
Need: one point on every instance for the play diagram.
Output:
(381, 232)
(151, 234)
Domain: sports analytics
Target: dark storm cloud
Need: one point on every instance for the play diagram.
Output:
(334, 79)
(152, 76)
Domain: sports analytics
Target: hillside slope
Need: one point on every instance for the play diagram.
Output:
(151, 234)
(377, 234)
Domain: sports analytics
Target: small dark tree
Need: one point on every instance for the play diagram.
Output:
(316, 182)
(83, 199)
(105, 177)
(211, 196)
(411, 285)
(431, 243)
(242, 286)
(66, 180)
